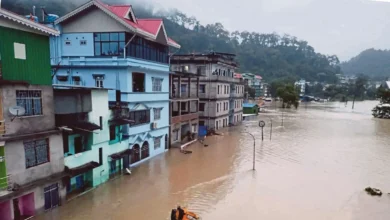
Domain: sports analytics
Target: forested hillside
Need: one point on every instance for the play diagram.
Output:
(269, 55)
(371, 62)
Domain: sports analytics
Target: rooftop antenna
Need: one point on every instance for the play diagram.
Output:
(16, 111)
(43, 13)
(33, 10)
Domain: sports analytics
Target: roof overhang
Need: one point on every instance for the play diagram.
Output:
(31, 24)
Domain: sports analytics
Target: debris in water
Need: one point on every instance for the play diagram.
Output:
(373, 191)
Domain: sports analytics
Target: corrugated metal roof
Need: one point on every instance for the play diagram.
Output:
(26, 22)
(249, 105)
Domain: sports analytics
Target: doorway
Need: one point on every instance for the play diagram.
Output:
(51, 196)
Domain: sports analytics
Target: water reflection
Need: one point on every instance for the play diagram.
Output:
(315, 167)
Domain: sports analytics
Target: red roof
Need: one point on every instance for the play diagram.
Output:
(237, 75)
(150, 25)
(120, 10)
(258, 77)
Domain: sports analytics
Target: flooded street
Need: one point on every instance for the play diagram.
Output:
(315, 167)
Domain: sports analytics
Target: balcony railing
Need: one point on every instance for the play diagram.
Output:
(186, 117)
(5, 183)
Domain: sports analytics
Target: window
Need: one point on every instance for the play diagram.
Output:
(217, 107)
(109, 44)
(76, 80)
(145, 150)
(30, 100)
(83, 42)
(148, 50)
(20, 51)
(157, 113)
(201, 123)
(218, 90)
(112, 133)
(183, 88)
(138, 82)
(78, 145)
(157, 143)
(201, 70)
(175, 135)
(194, 128)
(140, 117)
(99, 81)
(202, 88)
(36, 152)
(202, 107)
(157, 84)
(183, 106)
(68, 43)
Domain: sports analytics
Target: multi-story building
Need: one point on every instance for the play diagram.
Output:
(109, 47)
(94, 147)
(184, 95)
(31, 153)
(220, 94)
(301, 85)
(253, 81)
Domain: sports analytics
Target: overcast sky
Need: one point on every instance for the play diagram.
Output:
(341, 27)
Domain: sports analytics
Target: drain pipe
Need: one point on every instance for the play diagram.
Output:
(124, 49)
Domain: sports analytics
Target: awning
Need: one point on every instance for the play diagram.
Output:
(120, 121)
(82, 169)
(121, 154)
(85, 126)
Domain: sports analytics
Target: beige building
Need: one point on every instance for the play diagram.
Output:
(220, 95)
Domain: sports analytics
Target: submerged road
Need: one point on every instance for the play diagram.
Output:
(315, 167)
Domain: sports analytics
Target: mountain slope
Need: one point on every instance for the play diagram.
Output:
(371, 62)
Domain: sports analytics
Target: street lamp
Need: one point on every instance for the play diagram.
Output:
(254, 148)
(261, 124)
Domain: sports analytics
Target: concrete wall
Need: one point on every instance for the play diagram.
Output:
(28, 124)
(92, 20)
(16, 163)
(72, 101)
(75, 48)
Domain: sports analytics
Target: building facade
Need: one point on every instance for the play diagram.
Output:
(31, 153)
(301, 86)
(253, 81)
(221, 95)
(109, 47)
(184, 95)
(94, 147)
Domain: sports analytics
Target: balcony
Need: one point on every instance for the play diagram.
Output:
(225, 78)
(185, 117)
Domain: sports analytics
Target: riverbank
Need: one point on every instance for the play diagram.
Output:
(316, 167)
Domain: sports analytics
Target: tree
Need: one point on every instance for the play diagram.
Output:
(250, 91)
(358, 88)
(289, 95)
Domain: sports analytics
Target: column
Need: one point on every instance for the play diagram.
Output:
(189, 87)
(197, 87)
(170, 86)
(179, 87)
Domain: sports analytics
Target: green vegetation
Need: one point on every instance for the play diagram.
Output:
(289, 95)
(371, 62)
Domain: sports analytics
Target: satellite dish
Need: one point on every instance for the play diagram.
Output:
(17, 111)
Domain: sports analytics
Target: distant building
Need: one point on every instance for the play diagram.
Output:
(301, 85)
(31, 152)
(221, 95)
(252, 80)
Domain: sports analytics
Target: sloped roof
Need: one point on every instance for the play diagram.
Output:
(238, 75)
(28, 23)
(249, 105)
(149, 28)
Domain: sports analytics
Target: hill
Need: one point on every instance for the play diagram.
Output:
(270, 55)
(373, 63)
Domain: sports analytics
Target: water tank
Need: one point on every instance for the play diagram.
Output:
(50, 18)
(34, 18)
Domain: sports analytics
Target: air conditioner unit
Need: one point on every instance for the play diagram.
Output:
(153, 125)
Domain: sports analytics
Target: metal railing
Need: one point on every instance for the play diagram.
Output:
(5, 183)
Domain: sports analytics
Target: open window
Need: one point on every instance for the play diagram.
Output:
(138, 82)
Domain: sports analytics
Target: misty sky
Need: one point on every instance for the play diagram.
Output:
(341, 27)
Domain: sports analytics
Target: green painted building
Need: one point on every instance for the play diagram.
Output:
(250, 108)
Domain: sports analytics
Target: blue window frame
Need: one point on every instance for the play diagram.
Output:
(109, 44)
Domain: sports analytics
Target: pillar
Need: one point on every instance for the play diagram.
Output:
(189, 86)
(179, 87)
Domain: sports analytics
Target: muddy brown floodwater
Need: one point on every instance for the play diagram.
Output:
(315, 167)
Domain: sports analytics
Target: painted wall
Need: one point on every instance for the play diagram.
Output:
(6, 211)
(36, 68)
(72, 101)
(75, 48)
(28, 124)
(16, 164)
(93, 20)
